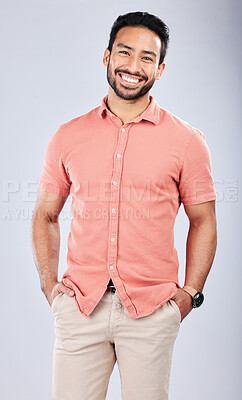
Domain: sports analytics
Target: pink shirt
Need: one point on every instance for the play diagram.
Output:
(127, 183)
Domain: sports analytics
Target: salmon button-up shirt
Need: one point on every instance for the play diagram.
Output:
(127, 183)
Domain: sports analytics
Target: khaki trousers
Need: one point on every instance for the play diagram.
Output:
(86, 349)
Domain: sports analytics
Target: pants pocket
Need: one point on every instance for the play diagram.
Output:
(176, 308)
(56, 299)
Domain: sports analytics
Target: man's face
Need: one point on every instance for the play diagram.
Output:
(133, 65)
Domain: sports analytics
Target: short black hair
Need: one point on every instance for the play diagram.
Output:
(143, 20)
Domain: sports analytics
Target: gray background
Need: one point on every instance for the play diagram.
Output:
(51, 72)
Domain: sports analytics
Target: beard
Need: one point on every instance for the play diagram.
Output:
(127, 93)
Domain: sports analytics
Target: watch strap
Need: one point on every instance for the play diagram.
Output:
(190, 290)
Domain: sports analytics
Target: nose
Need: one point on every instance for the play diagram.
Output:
(134, 65)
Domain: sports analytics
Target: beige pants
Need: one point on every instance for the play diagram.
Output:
(86, 349)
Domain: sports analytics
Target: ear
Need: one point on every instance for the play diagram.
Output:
(106, 57)
(160, 70)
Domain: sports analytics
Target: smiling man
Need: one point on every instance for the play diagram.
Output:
(128, 165)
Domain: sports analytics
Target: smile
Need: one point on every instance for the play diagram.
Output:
(131, 82)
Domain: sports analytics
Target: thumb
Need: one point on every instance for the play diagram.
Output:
(70, 292)
(67, 290)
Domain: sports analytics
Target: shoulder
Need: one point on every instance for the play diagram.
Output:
(81, 120)
(179, 126)
(69, 132)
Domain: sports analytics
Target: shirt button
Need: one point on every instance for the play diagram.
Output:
(123, 129)
(113, 210)
(115, 182)
(112, 239)
(118, 155)
(111, 267)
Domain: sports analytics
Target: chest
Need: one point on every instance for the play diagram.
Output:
(135, 158)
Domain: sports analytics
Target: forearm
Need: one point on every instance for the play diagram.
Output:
(45, 236)
(200, 251)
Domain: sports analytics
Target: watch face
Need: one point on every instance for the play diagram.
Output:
(198, 299)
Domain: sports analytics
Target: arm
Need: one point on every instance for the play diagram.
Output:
(200, 250)
(201, 243)
(45, 241)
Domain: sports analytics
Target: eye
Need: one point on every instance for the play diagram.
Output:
(149, 58)
(123, 51)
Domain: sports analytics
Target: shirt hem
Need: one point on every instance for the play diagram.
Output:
(129, 307)
(50, 188)
(196, 200)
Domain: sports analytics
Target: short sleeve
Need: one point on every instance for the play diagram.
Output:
(196, 182)
(54, 177)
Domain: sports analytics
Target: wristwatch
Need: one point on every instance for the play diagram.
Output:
(197, 297)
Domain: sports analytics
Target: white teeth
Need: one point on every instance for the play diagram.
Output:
(129, 79)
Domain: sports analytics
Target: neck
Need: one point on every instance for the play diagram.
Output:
(126, 110)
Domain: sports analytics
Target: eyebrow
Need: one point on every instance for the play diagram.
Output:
(152, 53)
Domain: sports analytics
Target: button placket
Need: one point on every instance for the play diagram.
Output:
(116, 181)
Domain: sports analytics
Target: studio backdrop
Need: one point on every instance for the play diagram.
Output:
(51, 72)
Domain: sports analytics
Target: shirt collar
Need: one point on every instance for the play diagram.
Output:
(151, 113)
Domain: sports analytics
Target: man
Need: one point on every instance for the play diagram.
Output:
(128, 164)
